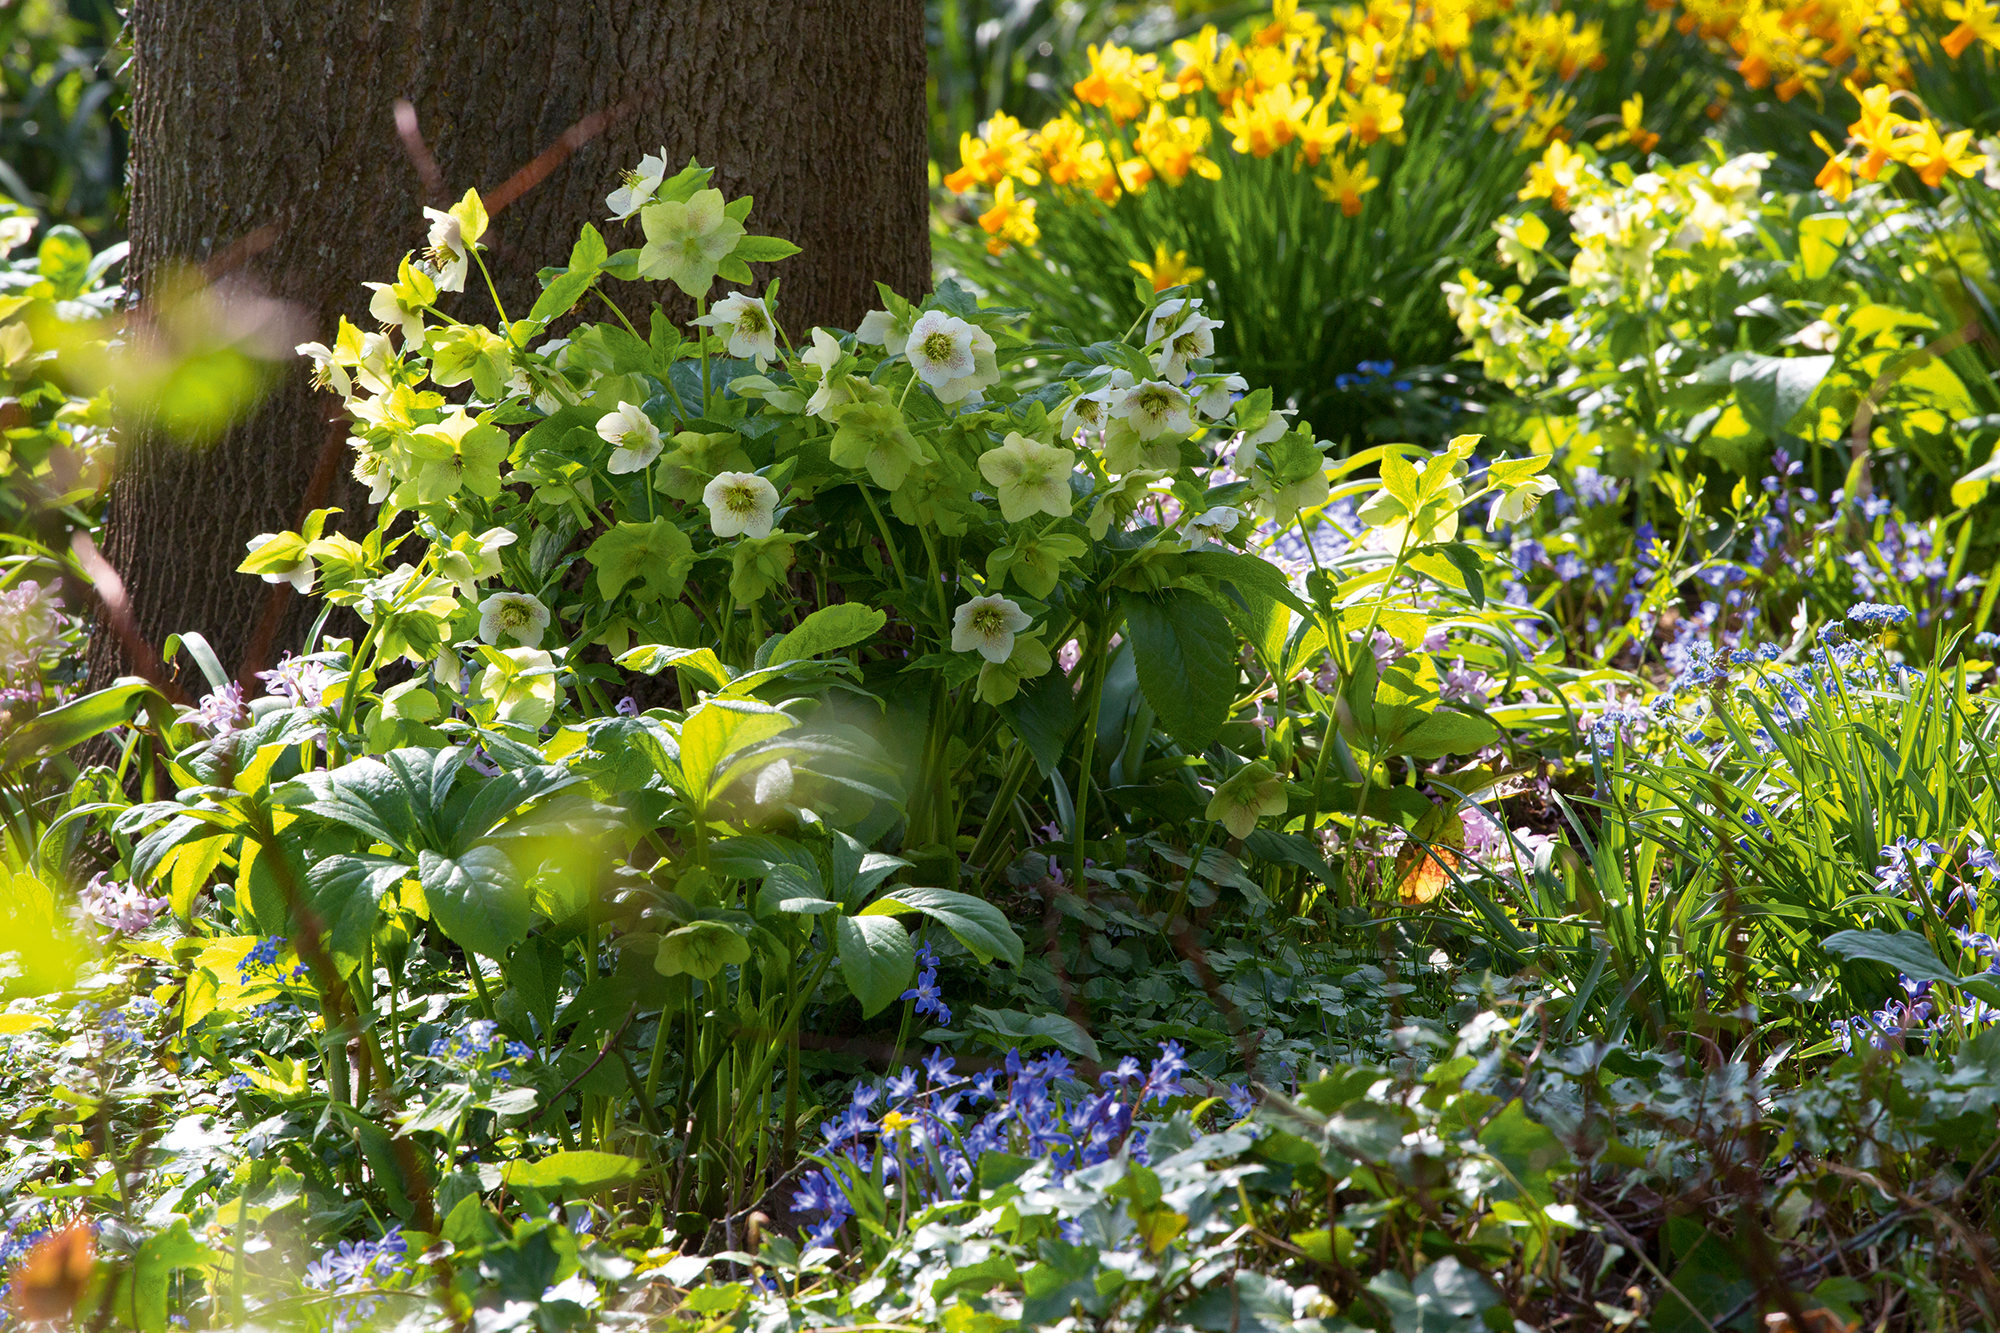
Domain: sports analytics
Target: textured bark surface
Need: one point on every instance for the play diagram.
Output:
(253, 114)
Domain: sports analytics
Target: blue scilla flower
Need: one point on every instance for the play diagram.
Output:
(1877, 615)
(1241, 1103)
(263, 957)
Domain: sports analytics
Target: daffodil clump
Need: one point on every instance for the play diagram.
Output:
(1326, 99)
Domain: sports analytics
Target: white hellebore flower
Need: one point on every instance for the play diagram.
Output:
(372, 470)
(882, 328)
(390, 313)
(15, 232)
(1168, 315)
(987, 625)
(740, 504)
(825, 356)
(447, 251)
(745, 324)
(1191, 339)
(299, 575)
(1213, 526)
(637, 438)
(1215, 400)
(1087, 411)
(940, 347)
(513, 615)
(1819, 335)
(639, 187)
(1154, 408)
(1521, 501)
(327, 368)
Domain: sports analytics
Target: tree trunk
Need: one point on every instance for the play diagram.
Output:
(269, 126)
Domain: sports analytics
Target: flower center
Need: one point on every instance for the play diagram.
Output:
(937, 346)
(988, 621)
(740, 500)
(752, 322)
(514, 615)
(1155, 402)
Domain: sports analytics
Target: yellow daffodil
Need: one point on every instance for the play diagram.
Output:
(1120, 81)
(1978, 21)
(1376, 113)
(1167, 270)
(1006, 150)
(1174, 144)
(1011, 221)
(1345, 185)
(1934, 157)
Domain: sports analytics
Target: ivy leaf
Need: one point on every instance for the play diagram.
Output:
(657, 555)
(477, 899)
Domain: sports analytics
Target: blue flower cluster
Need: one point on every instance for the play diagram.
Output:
(354, 1267)
(1919, 1011)
(472, 1045)
(262, 961)
(1367, 371)
(925, 1141)
(1877, 615)
(16, 1239)
(930, 1000)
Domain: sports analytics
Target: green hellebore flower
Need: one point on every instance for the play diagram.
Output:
(1029, 477)
(1253, 791)
(686, 242)
(874, 436)
(695, 459)
(758, 564)
(700, 949)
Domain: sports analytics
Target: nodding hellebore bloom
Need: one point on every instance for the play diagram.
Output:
(955, 358)
(987, 625)
(636, 437)
(745, 325)
(740, 504)
(685, 242)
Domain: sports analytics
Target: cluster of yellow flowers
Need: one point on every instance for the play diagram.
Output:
(1323, 94)
(1882, 135)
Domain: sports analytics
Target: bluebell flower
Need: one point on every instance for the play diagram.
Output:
(1241, 1103)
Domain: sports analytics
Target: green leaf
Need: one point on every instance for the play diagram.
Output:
(159, 1257)
(1447, 1297)
(64, 259)
(656, 555)
(763, 249)
(346, 893)
(1772, 390)
(876, 958)
(973, 922)
(77, 721)
(1186, 657)
(1531, 1153)
(572, 1174)
(1028, 1031)
(1041, 716)
(1905, 950)
(561, 295)
(1447, 731)
(827, 630)
(477, 899)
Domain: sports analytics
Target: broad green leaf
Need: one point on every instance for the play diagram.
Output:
(346, 893)
(1028, 1031)
(876, 958)
(1531, 1153)
(160, 1256)
(973, 922)
(1041, 716)
(1185, 652)
(1905, 950)
(574, 1173)
(1772, 390)
(477, 899)
(827, 630)
(1447, 732)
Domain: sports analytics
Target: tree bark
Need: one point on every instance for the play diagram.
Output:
(269, 126)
